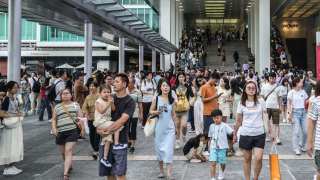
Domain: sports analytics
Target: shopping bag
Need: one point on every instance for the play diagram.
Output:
(150, 126)
(274, 163)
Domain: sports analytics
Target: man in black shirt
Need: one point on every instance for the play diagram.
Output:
(124, 109)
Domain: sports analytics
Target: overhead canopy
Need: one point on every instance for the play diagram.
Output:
(65, 66)
(107, 16)
(81, 66)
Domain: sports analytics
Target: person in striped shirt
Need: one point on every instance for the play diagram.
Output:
(313, 123)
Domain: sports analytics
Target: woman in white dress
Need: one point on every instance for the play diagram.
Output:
(225, 99)
(198, 107)
(11, 138)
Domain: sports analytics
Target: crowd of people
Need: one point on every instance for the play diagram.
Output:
(193, 48)
(278, 52)
(110, 106)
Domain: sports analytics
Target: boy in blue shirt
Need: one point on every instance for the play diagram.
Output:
(218, 143)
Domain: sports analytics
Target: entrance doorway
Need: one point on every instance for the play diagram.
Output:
(297, 48)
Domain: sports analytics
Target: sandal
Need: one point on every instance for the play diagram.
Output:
(66, 177)
(70, 169)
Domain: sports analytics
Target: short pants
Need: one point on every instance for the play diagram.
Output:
(250, 142)
(218, 155)
(118, 159)
(67, 136)
(274, 114)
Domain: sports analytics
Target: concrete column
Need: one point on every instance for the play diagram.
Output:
(264, 35)
(249, 29)
(168, 27)
(162, 61)
(121, 64)
(252, 27)
(87, 50)
(256, 34)
(173, 32)
(177, 30)
(154, 60)
(141, 58)
(14, 40)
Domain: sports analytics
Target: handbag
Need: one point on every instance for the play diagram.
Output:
(183, 103)
(150, 126)
(11, 122)
(274, 163)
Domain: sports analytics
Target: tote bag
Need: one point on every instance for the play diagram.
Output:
(274, 163)
(150, 126)
(11, 122)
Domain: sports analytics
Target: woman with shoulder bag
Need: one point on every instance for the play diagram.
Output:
(165, 127)
(11, 138)
(184, 94)
(65, 126)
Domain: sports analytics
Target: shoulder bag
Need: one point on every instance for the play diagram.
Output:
(11, 122)
(150, 125)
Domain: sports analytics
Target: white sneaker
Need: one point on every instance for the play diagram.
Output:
(205, 153)
(195, 161)
(303, 149)
(221, 176)
(11, 171)
(238, 153)
(315, 177)
(213, 178)
(177, 145)
(278, 141)
(268, 139)
(298, 153)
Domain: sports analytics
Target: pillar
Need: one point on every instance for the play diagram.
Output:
(252, 27)
(256, 34)
(87, 50)
(168, 27)
(264, 35)
(249, 29)
(154, 60)
(14, 41)
(177, 30)
(162, 61)
(141, 58)
(121, 66)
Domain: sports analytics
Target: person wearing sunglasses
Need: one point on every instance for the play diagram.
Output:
(250, 112)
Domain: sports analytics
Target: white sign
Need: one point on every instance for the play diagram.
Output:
(102, 65)
(318, 38)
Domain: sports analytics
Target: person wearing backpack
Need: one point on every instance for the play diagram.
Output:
(54, 94)
(35, 90)
(184, 94)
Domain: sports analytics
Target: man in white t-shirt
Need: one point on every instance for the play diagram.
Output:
(271, 93)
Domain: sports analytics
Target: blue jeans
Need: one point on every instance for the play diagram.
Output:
(45, 104)
(299, 135)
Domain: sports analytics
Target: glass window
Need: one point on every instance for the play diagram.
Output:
(141, 13)
(3, 27)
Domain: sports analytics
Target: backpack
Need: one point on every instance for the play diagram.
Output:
(52, 94)
(183, 103)
(36, 86)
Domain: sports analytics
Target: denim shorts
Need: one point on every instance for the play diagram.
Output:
(118, 159)
(207, 121)
(218, 155)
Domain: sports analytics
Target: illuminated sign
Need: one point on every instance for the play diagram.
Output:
(290, 26)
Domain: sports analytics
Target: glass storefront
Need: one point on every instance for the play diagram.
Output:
(52, 34)
(28, 31)
(142, 10)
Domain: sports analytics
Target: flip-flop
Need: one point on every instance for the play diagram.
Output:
(161, 175)
(66, 177)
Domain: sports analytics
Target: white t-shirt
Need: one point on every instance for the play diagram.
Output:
(252, 119)
(272, 101)
(297, 98)
(218, 135)
(313, 113)
(148, 89)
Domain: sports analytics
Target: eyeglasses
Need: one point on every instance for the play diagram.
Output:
(252, 88)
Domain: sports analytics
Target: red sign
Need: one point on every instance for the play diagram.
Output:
(318, 62)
